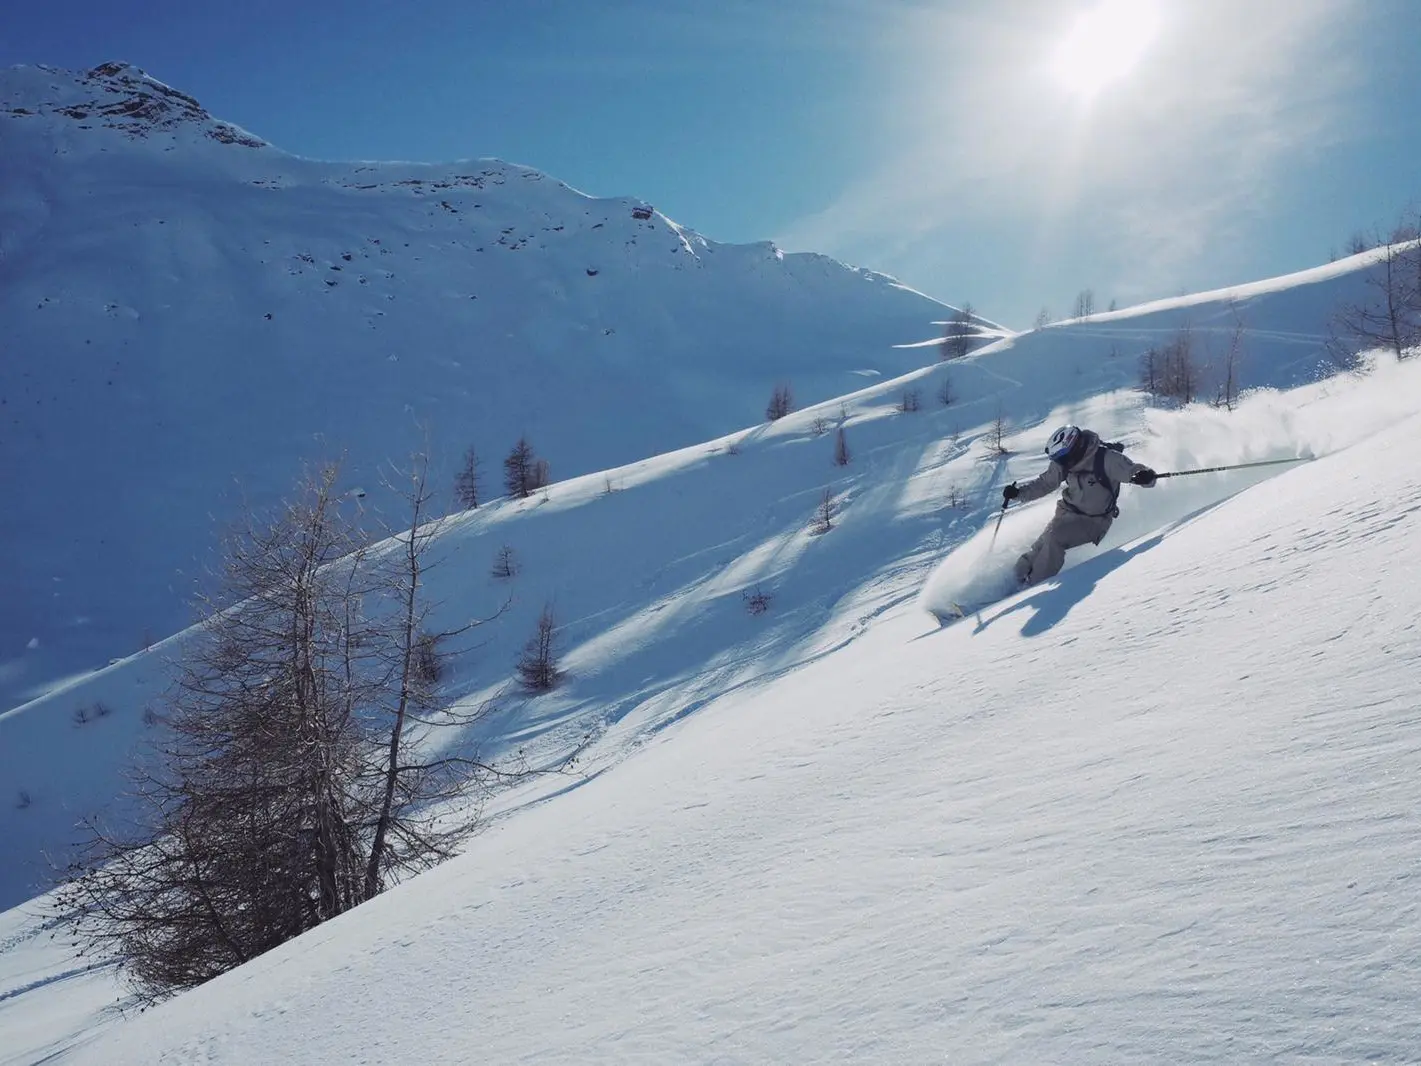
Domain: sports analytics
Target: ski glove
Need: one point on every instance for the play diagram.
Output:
(1145, 477)
(1010, 493)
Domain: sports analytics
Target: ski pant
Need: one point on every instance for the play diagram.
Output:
(1065, 530)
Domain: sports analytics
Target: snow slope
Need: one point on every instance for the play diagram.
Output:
(649, 580)
(187, 314)
(1160, 809)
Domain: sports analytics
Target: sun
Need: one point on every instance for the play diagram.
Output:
(1104, 45)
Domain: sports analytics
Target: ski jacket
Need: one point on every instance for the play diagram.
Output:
(1092, 478)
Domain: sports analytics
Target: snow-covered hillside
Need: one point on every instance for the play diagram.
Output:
(1159, 809)
(187, 313)
(648, 579)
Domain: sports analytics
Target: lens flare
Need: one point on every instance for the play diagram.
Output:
(1105, 44)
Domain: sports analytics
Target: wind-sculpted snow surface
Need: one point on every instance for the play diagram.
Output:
(1158, 810)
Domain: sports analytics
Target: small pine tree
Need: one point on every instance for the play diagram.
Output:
(781, 403)
(842, 455)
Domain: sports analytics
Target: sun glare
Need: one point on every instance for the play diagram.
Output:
(1105, 44)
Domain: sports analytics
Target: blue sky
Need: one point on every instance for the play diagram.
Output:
(941, 142)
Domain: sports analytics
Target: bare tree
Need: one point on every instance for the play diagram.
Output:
(1043, 319)
(1181, 368)
(996, 436)
(1390, 317)
(253, 837)
(428, 663)
(1151, 371)
(505, 564)
(945, 395)
(287, 785)
(1407, 228)
(781, 403)
(1227, 395)
(824, 514)
(467, 481)
(1085, 303)
(537, 666)
(842, 455)
(959, 335)
(523, 472)
(910, 401)
(1172, 371)
(403, 838)
(757, 601)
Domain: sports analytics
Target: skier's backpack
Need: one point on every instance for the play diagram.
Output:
(1102, 479)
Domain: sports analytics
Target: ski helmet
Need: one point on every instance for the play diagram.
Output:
(1063, 442)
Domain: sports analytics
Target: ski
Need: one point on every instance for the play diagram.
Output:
(955, 613)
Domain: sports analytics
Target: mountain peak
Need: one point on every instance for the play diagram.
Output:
(114, 95)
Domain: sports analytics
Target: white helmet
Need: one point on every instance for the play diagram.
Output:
(1062, 442)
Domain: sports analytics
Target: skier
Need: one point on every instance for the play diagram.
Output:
(1092, 472)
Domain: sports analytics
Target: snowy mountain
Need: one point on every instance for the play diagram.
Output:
(188, 314)
(1157, 809)
(648, 578)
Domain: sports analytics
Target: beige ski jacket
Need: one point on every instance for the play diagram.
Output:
(1086, 492)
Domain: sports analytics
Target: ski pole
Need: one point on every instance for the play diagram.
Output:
(1238, 466)
(998, 526)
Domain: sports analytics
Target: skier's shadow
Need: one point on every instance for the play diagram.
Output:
(1053, 603)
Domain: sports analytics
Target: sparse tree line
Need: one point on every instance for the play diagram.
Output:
(1388, 317)
(1184, 370)
(294, 776)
